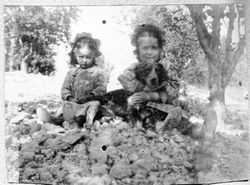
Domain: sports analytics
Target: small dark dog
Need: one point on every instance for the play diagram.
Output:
(113, 103)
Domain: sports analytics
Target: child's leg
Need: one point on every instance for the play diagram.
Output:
(93, 107)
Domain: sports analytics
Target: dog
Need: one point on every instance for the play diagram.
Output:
(113, 103)
(153, 75)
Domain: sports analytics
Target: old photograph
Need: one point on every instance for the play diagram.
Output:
(120, 95)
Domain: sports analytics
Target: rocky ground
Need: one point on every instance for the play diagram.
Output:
(114, 153)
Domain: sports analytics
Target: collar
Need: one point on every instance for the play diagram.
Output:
(89, 70)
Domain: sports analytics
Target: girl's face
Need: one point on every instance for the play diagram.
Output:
(85, 57)
(148, 49)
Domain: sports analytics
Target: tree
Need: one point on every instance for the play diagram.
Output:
(222, 52)
(30, 34)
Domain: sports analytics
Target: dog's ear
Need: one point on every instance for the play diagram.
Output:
(162, 73)
(142, 71)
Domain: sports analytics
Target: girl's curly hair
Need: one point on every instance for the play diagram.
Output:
(150, 29)
(81, 42)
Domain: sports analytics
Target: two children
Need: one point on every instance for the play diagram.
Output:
(87, 79)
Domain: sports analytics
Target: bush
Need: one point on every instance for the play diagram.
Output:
(196, 73)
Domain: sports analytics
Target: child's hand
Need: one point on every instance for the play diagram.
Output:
(142, 97)
(71, 99)
(138, 98)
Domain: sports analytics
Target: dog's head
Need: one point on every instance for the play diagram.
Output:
(151, 74)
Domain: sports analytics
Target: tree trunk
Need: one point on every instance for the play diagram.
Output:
(221, 67)
(215, 118)
(11, 54)
(23, 66)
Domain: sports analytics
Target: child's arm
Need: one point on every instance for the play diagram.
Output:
(66, 90)
(170, 92)
(100, 84)
(99, 89)
(128, 80)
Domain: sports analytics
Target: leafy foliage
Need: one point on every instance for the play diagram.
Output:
(197, 71)
(35, 30)
(215, 25)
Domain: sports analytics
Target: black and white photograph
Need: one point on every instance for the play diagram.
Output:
(146, 94)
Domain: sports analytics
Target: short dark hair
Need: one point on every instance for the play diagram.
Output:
(81, 42)
(152, 30)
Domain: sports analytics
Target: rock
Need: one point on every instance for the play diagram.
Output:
(27, 156)
(144, 166)
(56, 144)
(116, 122)
(23, 129)
(17, 119)
(127, 180)
(133, 157)
(188, 165)
(30, 122)
(99, 169)
(178, 138)
(39, 157)
(53, 129)
(196, 120)
(32, 146)
(99, 181)
(80, 148)
(12, 142)
(153, 176)
(121, 170)
(24, 139)
(40, 136)
(46, 176)
(28, 172)
(160, 127)
(72, 137)
(151, 134)
(106, 119)
(122, 126)
(99, 145)
(35, 128)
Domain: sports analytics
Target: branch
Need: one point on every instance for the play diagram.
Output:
(201, 30)
(231, 16)
(238, 9)
(215, 41)
(235, 59)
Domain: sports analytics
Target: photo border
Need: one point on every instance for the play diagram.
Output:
(3, 168)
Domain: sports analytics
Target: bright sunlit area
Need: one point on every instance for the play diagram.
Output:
(109, 24)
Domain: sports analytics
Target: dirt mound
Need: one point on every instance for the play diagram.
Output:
(113, 154)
